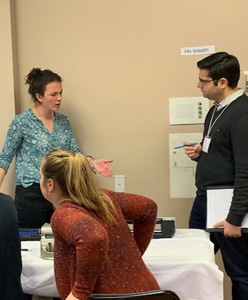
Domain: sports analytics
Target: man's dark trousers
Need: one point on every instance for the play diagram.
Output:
(234, 250)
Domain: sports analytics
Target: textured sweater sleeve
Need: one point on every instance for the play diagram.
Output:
(91, 243)
(142, 211)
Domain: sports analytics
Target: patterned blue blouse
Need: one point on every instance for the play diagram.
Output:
(29, 140)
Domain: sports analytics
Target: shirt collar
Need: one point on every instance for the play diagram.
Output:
(228, 100)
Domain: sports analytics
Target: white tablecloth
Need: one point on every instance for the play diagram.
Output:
(184, 264)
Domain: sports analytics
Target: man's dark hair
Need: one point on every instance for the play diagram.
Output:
(221, 65)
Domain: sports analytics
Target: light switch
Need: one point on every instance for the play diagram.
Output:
(120, 183)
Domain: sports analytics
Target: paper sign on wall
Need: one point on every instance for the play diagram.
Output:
(182, 168)
(190, 110)
(198, 50)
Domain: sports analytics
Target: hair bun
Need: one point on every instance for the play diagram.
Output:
(32, 75)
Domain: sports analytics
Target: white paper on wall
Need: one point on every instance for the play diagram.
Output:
(182, 168)
(189, 110)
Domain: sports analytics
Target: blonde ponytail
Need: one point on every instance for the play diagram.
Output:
(73, 174)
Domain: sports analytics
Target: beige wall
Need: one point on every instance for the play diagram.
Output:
(7, 111)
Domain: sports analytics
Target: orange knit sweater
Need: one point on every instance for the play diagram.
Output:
(93, 257)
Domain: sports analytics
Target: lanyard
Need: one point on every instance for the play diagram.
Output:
(212, 125)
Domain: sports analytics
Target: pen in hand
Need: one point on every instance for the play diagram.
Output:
(182, 146)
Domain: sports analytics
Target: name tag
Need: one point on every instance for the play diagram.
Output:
(206, 144)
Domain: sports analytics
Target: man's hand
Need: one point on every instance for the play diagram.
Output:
(193, 152)
(230, 230)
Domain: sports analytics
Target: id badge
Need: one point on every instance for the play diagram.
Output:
(206, 144)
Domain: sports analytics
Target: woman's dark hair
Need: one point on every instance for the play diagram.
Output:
(221, 65)
(38, 79)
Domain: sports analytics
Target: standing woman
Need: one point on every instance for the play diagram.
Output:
(94, 250)
(31, 135)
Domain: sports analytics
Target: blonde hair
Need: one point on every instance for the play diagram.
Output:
(72, 172)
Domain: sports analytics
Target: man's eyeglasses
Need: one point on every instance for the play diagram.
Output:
(205, 81)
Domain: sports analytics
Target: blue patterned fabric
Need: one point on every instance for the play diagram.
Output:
(29, 141)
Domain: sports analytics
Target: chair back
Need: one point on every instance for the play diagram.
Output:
(151, 295)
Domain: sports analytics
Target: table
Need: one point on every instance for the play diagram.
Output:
(184, 264)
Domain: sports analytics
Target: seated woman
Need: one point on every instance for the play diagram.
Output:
(10, 251)
(94, 250)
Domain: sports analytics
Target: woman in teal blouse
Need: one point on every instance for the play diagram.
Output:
(31, 135)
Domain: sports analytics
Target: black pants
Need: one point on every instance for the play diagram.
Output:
(10, 251)
(32, 208)
(234, 250)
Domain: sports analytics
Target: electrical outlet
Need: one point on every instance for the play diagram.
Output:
(120, 183)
